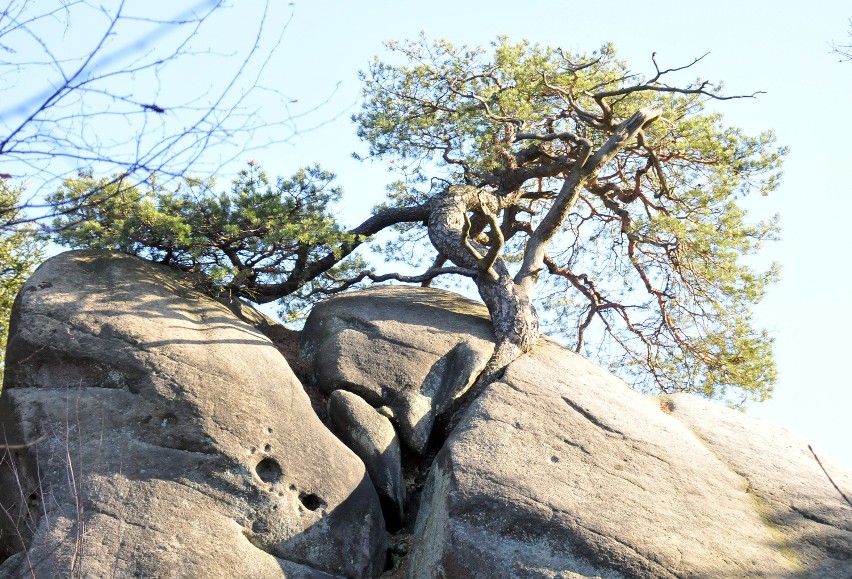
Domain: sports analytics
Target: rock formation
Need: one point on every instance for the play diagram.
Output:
(155, 433)
(413, 349)
(168, 439)
(372, 437)
(561, 468)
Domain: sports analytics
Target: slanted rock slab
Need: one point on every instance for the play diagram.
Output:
(791, 483)
(166, 438)
(372, 438)
(562, 468)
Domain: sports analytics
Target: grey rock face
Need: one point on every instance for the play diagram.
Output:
(790, 483)
(150, 432)
(166, 438)
(412, 349)
(561, 470)
(372, 438)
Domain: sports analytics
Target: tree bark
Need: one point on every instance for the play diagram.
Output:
(509, 300)
(580, 174)
(512, 314)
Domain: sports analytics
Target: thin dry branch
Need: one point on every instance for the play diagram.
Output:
(423, 278)
(46, 137)
(844, 51)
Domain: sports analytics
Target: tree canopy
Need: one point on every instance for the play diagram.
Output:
(253, 240)
(561, 183)
(21, 250)
(640, 236)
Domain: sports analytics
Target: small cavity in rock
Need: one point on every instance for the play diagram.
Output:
(311, 501)
(268, 470)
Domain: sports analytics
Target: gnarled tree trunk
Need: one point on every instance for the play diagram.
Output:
(509, 299)
(512, 314)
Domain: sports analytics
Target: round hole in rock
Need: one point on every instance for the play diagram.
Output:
(267, 448)
(268, 470)
(311, 501)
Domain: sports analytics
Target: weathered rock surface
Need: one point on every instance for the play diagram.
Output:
(789, 482)
(371, 436)
(561, 470)
(561, 467)
(413, 349)
(150, 432)
(166, 438)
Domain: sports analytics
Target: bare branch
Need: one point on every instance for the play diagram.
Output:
(265, 293)
(701, 89)
(676, 69)
(423, 278)
(465, 235)
(566, 136)
(440, 260)
(54, 133)
(573, 184)
(655, 161)
(427, 275)
(590, 119)
(844, 51)
(495, 248)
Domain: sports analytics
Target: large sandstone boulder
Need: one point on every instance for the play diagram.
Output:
(413, 349)
(561, 470)
(154, 434)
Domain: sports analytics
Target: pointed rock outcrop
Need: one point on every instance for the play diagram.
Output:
(372, 437)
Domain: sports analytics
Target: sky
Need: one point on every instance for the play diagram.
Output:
(779, 47)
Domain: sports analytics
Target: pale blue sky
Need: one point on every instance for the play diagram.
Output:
(778, 47)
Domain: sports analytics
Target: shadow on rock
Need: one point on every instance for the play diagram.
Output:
(171, 438)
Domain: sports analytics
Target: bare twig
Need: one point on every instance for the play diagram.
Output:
(428, 275)
(844, 51)
(24, 444)
(828, 476)
(47, 136)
